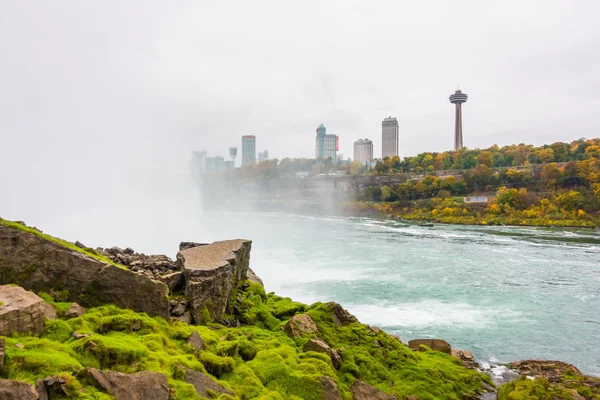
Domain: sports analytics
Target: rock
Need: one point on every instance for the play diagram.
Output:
(139, 386)
(129, 251)
(300, 325)
(190, 245)
(22, 311)
(364, 391)
(434, 344)
(174, 281)
(178, 310)
(2, 352)
(204, 383)
(41, 265)
(80, 245)
(320, 346)
(553, 371)
(211, 273)
(465, 357)
(52, 387)
(78, 335)
(341, 317)
(17, 390)
(19, 346)
(186, 317)
(75, 311)
(196, 341)
(254, 278)
(330, 389)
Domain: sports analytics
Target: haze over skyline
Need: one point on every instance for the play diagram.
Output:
(99, 98)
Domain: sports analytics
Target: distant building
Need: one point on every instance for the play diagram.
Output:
(198, 162)
(215, 164)
(475, 199)
(389, 137)
(248, 150)
(263, 156)
(363, 151)
(326, 145)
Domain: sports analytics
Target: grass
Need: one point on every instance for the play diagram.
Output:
(71, 246)
(256, 360)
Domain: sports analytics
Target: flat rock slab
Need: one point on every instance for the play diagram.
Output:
(204, 383)
(217, 255)
(22, 311)
(139, 386)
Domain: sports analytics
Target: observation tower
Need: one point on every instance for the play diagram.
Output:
(458, 98)
(233, 154)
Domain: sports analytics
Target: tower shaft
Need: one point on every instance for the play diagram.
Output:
(458, 137)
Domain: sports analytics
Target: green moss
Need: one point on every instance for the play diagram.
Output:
(215, 364)
(540, 388)
(61, 242)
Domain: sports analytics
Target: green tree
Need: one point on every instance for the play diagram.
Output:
(386, 193)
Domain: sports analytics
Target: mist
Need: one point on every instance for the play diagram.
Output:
(102, 104)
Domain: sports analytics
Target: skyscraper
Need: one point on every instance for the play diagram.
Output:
(325, 145)
(363, 151)
(248, 150)
(458, 98)
(389, 137)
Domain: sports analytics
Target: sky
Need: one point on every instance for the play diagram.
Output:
(101, 103)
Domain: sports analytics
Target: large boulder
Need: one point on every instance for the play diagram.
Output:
(204, 384)
(254, 278)
(17, 390)
(139, 386)
(39, 264)
(300, 325)
(22, 311)
(212, 273)
(341, 316)
(364, 391)
(434, 344)
(465, 357)
(321, 346)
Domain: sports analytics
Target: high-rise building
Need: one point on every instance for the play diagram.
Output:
(326, 145)
(389, 137)
(248, 150)
(458, 98)
(263, 156)
(233, 155)
(363, 151)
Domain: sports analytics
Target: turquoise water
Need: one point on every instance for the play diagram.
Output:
(506, 293)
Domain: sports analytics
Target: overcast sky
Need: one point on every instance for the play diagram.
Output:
(96, 97)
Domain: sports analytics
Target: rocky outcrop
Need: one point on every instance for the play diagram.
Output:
(52, 387)
(300, 326)
(211, 274)
(320, 346)
(17, 390)
(364, 391)
(330, 389)
(22, 311)
(139, 386)
(204, 384)
(553, 371)
(38, 264)
(434, 344)
(252, 277)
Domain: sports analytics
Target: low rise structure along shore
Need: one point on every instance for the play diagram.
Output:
(93, 323)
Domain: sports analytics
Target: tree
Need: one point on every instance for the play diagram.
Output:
(507, 197)
(355, 168)
(386, 193)
(485, 158)
(570, 200)
(373, 193)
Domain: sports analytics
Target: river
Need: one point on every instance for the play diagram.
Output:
(505, 293)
